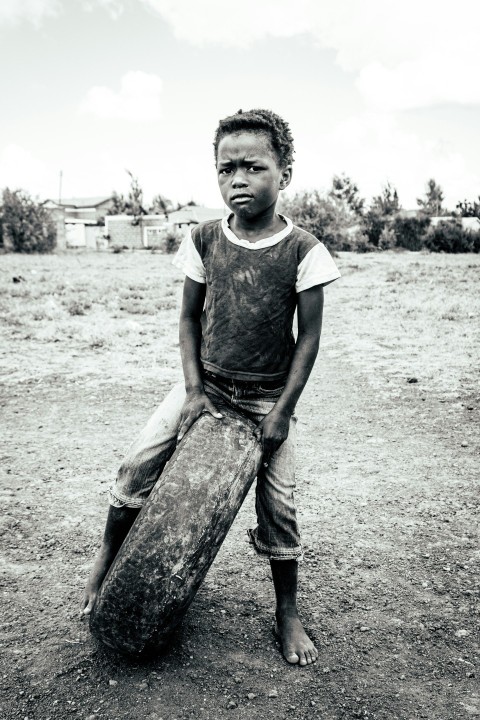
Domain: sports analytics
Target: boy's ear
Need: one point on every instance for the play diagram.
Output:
(286, 177)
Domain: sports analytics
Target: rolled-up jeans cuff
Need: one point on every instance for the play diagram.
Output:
(120, 500)
(274, 553)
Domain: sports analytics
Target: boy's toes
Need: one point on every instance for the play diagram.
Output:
(303, 659)
(310, 657)
(88, 604)
(292, 657)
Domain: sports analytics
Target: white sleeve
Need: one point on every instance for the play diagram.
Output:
(316, 268)
(188, 259)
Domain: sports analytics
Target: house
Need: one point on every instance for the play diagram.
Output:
(408, 213)
(194, 214)
(151, 230)
(79, 221)
(470, 224)
(89, 208)
(148, 232)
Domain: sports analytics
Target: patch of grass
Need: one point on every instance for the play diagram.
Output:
(21, 291)
(393, 277)
(134, 307)
(75, 307)
(166, 304)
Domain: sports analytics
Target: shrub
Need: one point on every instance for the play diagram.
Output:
(450, 237)
(78, 307)
(387, 238)
(26, 225)
(410, 232)
(352, 241)
(363, 245)
(172, 240)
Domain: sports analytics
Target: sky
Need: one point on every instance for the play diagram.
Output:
(380, 90)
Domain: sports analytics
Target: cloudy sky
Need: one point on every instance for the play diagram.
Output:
(381, 90)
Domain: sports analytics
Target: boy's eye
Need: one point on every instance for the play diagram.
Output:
(255, 168)
(225, 171)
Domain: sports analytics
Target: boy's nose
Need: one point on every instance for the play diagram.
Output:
(239, 180)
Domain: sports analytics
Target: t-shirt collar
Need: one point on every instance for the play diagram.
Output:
(259, 244)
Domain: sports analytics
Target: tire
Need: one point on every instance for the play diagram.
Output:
(177, 534)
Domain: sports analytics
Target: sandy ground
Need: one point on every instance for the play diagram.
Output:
(387, 492)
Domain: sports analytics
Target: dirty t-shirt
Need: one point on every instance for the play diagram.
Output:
(251, 295)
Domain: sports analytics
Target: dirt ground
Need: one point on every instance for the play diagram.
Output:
(387, 492)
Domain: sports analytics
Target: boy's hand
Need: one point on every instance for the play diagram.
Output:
(195, 405)
(272, 432)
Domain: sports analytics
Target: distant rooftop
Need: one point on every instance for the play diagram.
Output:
(195, 214)
(88, 202)
(409, 213)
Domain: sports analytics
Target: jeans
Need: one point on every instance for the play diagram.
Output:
(277, 535)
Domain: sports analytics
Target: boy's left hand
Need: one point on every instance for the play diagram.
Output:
(272, 432)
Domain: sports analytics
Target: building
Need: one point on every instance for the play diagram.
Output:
(90, 208)
(79, 221)
(194, 214)
(151, 230)
(147, 233)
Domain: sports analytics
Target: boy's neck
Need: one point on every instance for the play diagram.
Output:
(257, 228)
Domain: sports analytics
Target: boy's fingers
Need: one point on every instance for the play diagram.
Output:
(188, 422)
(213, 410)
(258, 432)
(190, 419)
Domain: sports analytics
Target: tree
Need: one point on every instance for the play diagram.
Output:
(119, 204)
(468, 209)
(387, 203)
(450, 237)
(382, 211)
(161, 206)
(410, 232)
(346, 192)
(311, 212)
(26, 225)
(134, 201)
(431, 204)
(326, 218)
(130, 205)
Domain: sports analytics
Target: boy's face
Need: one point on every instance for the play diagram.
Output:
(249, 175)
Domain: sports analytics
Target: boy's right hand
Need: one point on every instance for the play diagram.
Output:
(195, 404)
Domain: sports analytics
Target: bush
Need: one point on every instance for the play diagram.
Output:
(410, 232)
(78, 307)
(450, 237)
(353, 242)
(363, 245)
(26, 225)
(172, 240)
(387, 239)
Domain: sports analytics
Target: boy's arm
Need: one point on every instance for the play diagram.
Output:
(273, 429)
(190, 332)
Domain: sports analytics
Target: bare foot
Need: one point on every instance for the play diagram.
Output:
(119, 522)
(89, 600)
(102, 563)
(297, 647)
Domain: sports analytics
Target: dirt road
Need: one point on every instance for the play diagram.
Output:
(387, 491)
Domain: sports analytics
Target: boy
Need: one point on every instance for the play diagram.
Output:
(245, 277)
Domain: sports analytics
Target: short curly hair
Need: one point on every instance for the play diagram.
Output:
(259, 120)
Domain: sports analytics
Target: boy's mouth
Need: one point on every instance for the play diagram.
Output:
(241, 197)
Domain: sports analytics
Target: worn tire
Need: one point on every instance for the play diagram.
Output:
(176, 536)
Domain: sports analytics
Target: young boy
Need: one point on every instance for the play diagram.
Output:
(245, 277)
